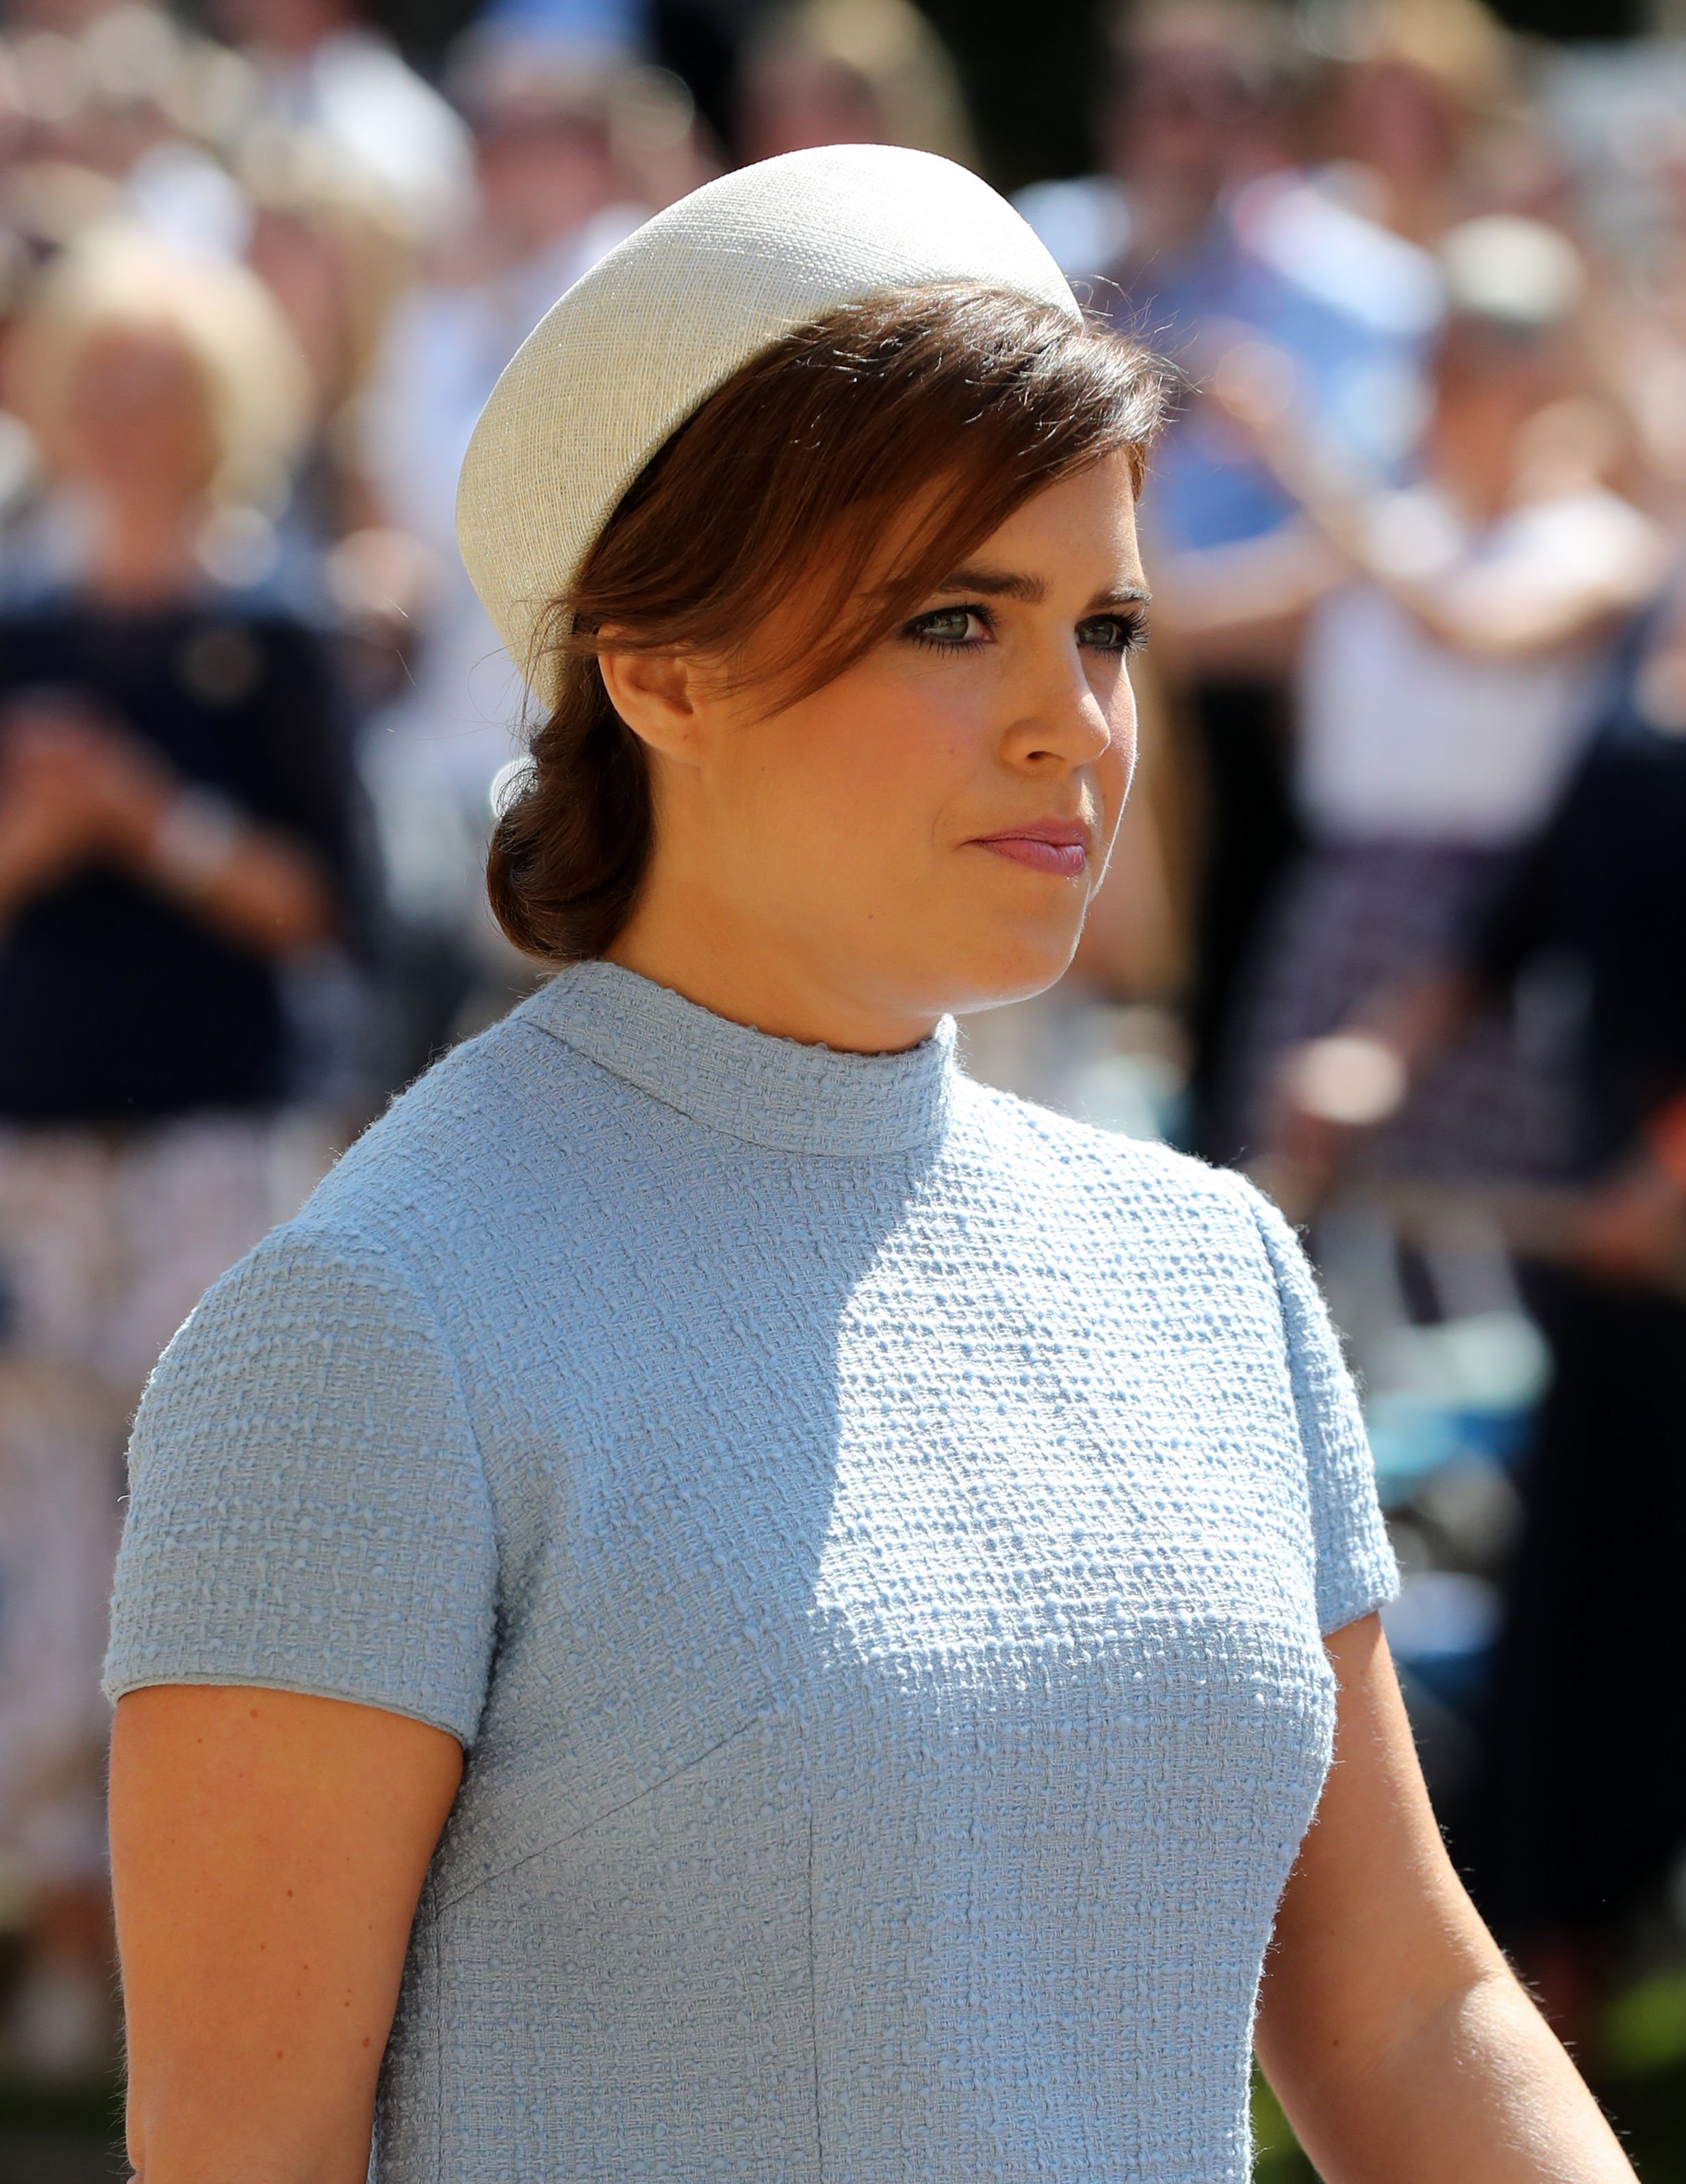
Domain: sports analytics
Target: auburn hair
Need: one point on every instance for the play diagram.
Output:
(906, 428)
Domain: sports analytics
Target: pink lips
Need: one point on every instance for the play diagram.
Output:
(1059, 846)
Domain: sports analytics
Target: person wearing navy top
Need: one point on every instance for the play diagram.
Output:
(121, 1001)
(177, 823)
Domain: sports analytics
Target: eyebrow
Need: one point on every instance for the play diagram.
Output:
(1015, 584)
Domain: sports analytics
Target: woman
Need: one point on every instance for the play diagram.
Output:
(872, 1541)
(176, 823)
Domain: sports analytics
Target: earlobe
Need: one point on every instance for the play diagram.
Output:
(654, 694)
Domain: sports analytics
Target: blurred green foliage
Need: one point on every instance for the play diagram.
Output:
(1645, 2029)
(1277, 2158)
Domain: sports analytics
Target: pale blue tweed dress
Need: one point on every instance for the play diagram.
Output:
(873, 1538)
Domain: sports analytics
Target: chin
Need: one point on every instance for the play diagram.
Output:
(1017, 967)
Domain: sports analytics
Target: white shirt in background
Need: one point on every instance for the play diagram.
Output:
(357, 95)
(1402, 736)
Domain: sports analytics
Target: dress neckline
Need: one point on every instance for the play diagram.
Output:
(778, 1092)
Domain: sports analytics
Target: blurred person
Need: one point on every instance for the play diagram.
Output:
(327, 247)
(602, 62)
(1451, 636)
(133, 113)
(1213, 237)
(1581, 1818)
(173, 126)
(325, 72)
(134, 118)
(96, 96)
(727, 1601)
(849, 72)
(693, 43)
(1189, 113)
(1633, 180)
(1581, 1815)
(1413, 111)
(177, 825)
(1216, 232)
(1193, 115)
(553, 199)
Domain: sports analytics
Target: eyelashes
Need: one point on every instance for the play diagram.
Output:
(936, 631)
(1128, 632)
(944, 629)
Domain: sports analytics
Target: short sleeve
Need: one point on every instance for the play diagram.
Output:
(307, 1506)
(1355, 1567)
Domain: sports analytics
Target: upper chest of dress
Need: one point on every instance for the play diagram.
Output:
(914, 1408)
(910, 1437)
(935, 1464)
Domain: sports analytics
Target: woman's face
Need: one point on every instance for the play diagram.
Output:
(924, 833)
(137, 422)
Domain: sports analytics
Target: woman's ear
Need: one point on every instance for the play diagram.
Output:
(656, 694)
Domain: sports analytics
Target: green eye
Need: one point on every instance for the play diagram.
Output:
(1113, 632)
(949, 626)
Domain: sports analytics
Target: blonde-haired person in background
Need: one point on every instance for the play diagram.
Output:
(176, 821)
(119, 284)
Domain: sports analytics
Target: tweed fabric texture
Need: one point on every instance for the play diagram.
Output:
(873, 1538)
(640, 342)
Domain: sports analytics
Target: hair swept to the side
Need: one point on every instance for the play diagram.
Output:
(846, 469)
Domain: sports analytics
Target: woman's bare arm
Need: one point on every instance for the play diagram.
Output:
(1397, 2037)
(1496, 612)
(1240, 609)
(267, 1852)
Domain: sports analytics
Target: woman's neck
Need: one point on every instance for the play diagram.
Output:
(143, 551)
(699, 946)
(1472, 451)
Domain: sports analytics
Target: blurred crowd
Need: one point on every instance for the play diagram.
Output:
(1396, 915)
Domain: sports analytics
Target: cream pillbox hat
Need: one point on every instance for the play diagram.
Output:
(637, 345)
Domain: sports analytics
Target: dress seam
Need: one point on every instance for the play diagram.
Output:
(611, 1812)
(437, 2012)
(814, 2006)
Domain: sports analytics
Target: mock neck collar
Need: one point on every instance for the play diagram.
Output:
(767, 1091)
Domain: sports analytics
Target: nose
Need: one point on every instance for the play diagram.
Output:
(1061, 722)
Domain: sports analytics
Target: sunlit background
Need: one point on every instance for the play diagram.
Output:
(1398, 915)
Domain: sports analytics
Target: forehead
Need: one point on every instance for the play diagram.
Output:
(1085, 522)
(144, 351)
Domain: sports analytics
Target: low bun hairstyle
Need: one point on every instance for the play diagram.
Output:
(926, 416)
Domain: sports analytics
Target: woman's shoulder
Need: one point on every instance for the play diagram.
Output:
(475, 1133)
(1108, 1171)
(393, 1249)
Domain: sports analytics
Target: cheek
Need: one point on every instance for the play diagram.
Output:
(875, 760)
(1117, 765)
